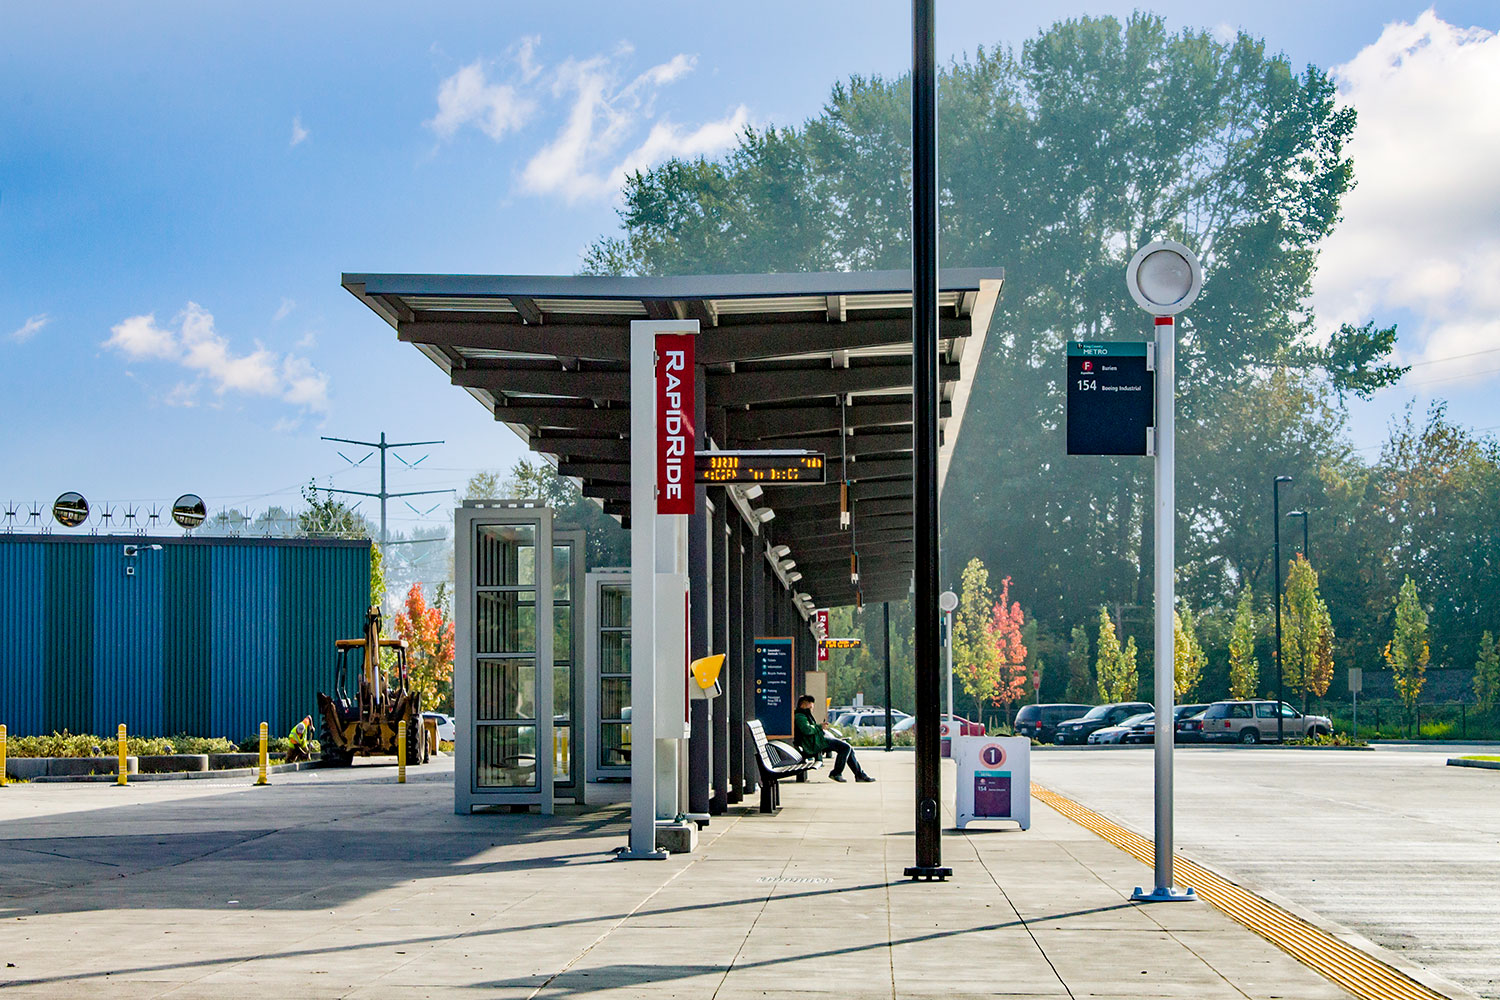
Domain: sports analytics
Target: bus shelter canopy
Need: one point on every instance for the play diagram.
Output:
(820, 362)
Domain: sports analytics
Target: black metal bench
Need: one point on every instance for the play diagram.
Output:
(776, 761)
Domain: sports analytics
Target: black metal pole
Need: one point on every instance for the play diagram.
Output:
(887, 606)
(1276, 598)
(924, 306)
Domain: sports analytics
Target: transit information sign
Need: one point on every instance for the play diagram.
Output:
(840, 643)
(1111, 398)
(725, 467)
(773, 673)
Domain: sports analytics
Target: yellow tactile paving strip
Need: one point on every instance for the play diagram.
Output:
(1351, 968)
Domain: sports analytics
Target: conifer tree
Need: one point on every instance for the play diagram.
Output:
(1487, 673)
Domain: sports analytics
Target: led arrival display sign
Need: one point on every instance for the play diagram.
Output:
(725, 467)
(1111, 398)
(840, 643)
(674, 423)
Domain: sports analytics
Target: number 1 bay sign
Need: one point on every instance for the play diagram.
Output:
(1111, 398)
(675, 441)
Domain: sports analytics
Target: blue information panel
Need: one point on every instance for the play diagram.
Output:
(774, 700)
(1111, 398)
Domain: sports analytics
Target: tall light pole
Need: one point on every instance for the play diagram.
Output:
(1302, 514)
(1276, 598)
(1164, 278)
(924, 399)
(948, 603)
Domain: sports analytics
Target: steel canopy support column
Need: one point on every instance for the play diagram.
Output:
(924, 321)
(755, 600)
(735, 666)
(700, 740)
(718, 801)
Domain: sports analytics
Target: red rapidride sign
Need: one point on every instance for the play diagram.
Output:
(674, 423)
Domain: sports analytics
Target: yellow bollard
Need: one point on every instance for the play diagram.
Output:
(2, 756)
(122, 779)
(265, 738)
(401, 752)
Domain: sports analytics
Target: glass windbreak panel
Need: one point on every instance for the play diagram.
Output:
(614, 697)
(506, 756)
(506, 689)
(562, 572)
(562, 691)
(614, 607)
(614, 653)
(562, 632)
(614, 744)
(505, 555)
(562, 754)
(505, 621)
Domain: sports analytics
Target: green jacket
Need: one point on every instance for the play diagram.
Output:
(809, 737)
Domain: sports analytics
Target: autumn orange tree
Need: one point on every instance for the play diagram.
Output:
(428, 631)
(1010, 652)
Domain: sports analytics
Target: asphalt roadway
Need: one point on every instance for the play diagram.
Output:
(1389, 843)
(344, 884)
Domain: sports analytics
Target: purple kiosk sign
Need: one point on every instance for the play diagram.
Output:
(994, 778)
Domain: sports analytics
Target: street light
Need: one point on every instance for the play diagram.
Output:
(1302, 514)
(1164, 278)
(1276, 598)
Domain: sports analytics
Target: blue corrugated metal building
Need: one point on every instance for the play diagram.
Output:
(210, 636)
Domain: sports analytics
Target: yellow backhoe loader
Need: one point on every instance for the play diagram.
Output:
(365, 724)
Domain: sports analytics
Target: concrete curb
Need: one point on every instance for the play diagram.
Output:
(233, 772)
(1490, 765)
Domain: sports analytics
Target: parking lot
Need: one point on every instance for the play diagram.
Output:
(1389, 843)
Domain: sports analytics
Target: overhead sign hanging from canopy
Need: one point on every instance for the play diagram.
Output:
(725, 467)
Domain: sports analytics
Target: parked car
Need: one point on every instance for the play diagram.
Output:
(1075, 731)
(1040, 721)
(1117, 733)
(965, 727)
(870, 723)
(445, 725)
(1254, 721)
(1145, 732)
(1190, 727)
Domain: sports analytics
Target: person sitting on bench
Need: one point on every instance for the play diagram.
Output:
(813, 741)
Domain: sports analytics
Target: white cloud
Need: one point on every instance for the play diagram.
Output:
(468, 97)
(607, 124)
(1421, 230)
(196, 345)
(299, 134)
(284, 310)
(30, 328)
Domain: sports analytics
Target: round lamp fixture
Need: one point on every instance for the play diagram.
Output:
(1164, 277)
(948, 601)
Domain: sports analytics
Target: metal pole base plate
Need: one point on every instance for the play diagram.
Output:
(1160, 895)
(629, 855)
(924, 874)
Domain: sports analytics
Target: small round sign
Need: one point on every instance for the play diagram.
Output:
(1164, 277)
(993, 755)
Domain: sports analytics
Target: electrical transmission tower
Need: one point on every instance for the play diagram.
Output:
(383, 446)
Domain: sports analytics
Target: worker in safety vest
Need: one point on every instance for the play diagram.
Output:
(297, 741)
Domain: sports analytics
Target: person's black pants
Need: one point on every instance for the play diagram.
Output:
(843, 753)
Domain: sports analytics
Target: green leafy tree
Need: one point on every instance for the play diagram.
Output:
(976, 657)
(1106, 133)
(486, 484)
(1081, 687)
(1115, 667)
(608, 543)
(1487, 673)
(1187, 655)
(1244, 668)
(1306, 634)
(1409, 649)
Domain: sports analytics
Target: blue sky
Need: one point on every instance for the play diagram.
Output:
(181, 185)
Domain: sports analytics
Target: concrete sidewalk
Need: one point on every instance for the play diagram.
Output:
(344, 884)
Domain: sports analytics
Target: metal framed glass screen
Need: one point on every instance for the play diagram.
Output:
(504, 703)
(607, 670)
(569, 739)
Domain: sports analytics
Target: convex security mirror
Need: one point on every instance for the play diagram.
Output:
(188, 511)
(70, 510)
